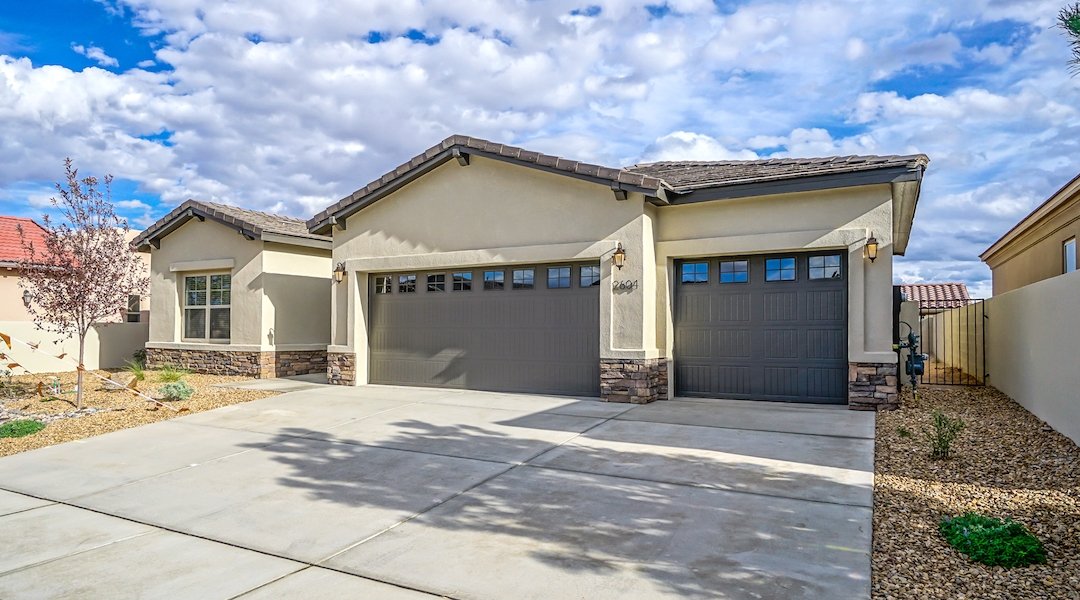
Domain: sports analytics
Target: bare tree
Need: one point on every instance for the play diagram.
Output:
(86, 269)
(1069, 21)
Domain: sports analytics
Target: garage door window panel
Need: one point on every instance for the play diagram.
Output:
(590, 276)
(493, 280)
(734, 271)
(825, 267)
(524, 279)
(780, 269)
(463, 282)
(384, 284)
(406, 284)
(436, 282)
(695, 273)
(558, 277)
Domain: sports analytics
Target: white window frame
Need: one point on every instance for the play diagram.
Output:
(185, 307)
(1068, 250)
(134, 300)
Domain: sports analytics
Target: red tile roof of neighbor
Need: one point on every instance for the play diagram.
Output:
(937, 295)
(11, 248)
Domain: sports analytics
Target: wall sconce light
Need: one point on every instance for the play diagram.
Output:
(871, 247)
(339, 272)
(619, 258)
(26, 298)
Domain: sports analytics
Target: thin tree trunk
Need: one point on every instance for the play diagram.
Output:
(78, 395)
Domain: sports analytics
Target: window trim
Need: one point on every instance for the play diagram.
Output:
(137, 313)
(206, 308)
(1065, 255)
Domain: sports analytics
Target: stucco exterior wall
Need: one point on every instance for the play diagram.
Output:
(107, 346)
(1037, 254)
(11, 304)
(1032, 341)
(491, 212)
(280, 292)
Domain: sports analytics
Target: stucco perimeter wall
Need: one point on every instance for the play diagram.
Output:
(492, 212)
(1032, 345)
(192, 243)
(107, 346)
(840, 218)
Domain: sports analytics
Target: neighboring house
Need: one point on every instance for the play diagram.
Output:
(936, 297)
(483, 266)
(105, 347)
(237, 292)
(1041, 246)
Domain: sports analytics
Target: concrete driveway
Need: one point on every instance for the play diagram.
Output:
(410, 493)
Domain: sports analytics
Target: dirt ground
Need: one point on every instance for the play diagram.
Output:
(104, 410)
(1007, 464)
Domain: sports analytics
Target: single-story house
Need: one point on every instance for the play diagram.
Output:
(936, 297)
(1042, 245)
(237, 292)
(484, 266)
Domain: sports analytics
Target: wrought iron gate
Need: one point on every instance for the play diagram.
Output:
(954, 338)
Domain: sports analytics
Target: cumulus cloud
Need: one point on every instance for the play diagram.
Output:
(288, 105)
(94, 53)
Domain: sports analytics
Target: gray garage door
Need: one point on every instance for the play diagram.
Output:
(762, 327)
(515, 329)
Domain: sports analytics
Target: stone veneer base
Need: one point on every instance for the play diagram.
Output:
(873, 386)
(634, 380)
(341, 368)
(260, 365)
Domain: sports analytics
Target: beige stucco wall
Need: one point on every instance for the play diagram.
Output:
(492, 212)
(1032, 345)
(280, 293)
(11, 303)
(1037, 254)
(107, 346)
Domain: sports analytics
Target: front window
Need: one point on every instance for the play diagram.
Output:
(1070, 255)
(695, 272)
(134, 304)
(523, 279)
(384, 284)
(436, 282)
(733, 271)
(406, 284)
(780, 269)
(493, 280)
(559, 277)
(590, 276)
(207, 307)
(825, 267)
(462, 282)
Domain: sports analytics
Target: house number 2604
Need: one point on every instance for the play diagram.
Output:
(625, 284)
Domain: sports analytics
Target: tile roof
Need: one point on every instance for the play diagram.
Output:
(11, 249)
(251, 221)
(685, 176)
(937, 295)
(653, 179)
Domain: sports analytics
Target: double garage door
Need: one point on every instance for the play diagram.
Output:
(516, 329)
(770, 327)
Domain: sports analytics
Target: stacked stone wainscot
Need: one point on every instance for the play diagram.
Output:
(638, 381)
(260, 365)
(341, 368)
(872, 386)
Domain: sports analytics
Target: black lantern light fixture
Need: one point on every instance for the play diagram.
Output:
(619, 258)
(871, 247)
(339, 272)
(26, 298)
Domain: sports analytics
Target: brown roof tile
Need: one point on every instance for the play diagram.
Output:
(252, 221)
(937, 295)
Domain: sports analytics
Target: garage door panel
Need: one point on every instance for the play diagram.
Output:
(526, 340)
(783, 339)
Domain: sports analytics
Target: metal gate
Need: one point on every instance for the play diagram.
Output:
(954, 339)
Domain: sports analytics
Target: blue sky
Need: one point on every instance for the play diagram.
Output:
(286, 105)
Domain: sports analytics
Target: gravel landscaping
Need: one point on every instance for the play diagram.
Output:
(1006, 464)
(103, 410)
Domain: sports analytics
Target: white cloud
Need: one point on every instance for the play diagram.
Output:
(313, 111)
(94, 53)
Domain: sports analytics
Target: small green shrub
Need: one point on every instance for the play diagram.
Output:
(139, 357)
(992, 541)
(903, 432)
(176, 390)
(941, 434)
(16, 429)
(172, 374)
(136, 370)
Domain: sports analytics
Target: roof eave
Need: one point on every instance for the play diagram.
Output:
(1058, 198)
(808, 183)
(185, 212)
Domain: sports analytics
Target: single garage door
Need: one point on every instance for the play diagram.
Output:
(771, 327)
(516, 329)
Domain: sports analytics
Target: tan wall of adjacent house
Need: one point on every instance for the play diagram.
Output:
(11, 303)
(493, 212)
(1038, 253)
